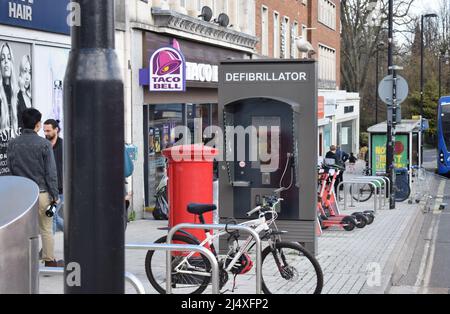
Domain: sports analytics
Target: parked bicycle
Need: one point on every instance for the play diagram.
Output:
(286, 266)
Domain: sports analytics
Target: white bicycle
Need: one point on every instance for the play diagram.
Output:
(287, 267)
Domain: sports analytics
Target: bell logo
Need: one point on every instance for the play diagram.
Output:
(167, 71)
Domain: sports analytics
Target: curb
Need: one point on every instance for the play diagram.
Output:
(400, 258)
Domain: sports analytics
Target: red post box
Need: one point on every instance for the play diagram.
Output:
(190, 174)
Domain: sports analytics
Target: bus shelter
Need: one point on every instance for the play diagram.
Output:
(408, 141)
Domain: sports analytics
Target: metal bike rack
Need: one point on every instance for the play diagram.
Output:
(183, 248)
(377, 196)
(251, 231)
(386, 181)
(380, 181)
(385, 185)
(132, 279)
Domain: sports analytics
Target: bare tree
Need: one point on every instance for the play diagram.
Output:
(364, 26)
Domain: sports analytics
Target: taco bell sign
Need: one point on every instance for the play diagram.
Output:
(167, 71)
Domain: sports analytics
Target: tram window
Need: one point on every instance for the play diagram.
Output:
(445, 120)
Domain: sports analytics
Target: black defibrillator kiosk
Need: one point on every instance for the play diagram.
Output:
(268, 114)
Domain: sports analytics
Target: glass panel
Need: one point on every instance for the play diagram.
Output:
(162, 122)
(445, 118)
(415, 149)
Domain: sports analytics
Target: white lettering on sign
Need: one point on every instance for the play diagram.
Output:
(201, 72)
(266, 77)
(21, 11)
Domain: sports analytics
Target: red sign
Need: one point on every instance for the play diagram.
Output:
(321, 107)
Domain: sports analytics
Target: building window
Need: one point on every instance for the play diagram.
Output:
(285, 39)
(327, 66)
(294, 35)
(349, 109)
(327, 13)
(276, 35)
(265, 31)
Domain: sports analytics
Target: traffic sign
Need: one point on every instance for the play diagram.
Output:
(386, 86)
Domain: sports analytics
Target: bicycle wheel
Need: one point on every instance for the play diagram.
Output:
(402, 192)
(364, 193)
(183, 280)
(290, 269)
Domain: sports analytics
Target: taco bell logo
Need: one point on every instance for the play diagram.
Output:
(167, 71)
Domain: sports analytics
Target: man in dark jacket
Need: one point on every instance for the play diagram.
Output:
(332, 154)
(31, 156)
(51, 131)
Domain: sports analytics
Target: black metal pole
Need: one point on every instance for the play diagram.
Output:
(421, 65)
(376, 87)
(390, 130)
(94, 156)
(440, 75)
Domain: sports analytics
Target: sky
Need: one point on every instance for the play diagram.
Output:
(419, 7)
(425, 6)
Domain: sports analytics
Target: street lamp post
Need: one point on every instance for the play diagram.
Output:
(390, 171)
(423, 17)
(94, 155)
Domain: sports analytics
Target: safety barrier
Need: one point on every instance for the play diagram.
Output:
(230, 227)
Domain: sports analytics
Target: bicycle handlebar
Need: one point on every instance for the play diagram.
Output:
(254, 211)
(260, 208)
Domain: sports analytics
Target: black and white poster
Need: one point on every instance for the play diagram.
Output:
(15, 93)
(23, 86)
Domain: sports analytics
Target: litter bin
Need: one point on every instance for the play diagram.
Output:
(403, 190)
(190, 177)
(19, 236)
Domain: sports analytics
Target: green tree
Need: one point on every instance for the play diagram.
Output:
(431, 98)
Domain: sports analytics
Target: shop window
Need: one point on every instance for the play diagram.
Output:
(349, 109)
(162, 121)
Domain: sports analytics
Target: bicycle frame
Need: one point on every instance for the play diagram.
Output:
(259, 225)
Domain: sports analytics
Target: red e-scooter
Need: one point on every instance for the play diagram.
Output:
(348, 223)
(328, 207)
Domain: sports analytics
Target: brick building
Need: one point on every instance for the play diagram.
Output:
(278, 24)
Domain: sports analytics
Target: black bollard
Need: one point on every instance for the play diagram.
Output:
(94, 156)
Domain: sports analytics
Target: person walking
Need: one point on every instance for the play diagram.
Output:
(331, 154)
(342, 157)
(352, 163)
(52, 131)
(31, 156)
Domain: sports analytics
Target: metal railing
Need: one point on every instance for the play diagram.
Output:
(182, 248)
(249, 230)
(378, 193)
(381, 193)
(132, 279)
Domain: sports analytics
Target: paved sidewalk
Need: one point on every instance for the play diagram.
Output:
(345, 257)
(361, 261)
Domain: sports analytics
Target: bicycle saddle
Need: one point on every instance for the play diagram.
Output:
(198, 209)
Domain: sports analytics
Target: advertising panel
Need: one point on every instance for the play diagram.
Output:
(401, 158)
